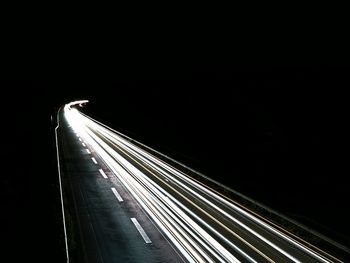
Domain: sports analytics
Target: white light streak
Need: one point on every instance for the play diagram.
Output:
(194, 218)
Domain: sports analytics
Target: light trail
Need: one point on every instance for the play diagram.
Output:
(203, 225)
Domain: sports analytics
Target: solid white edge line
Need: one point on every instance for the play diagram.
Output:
(60, 182)
(103, 173)
(117, 195)
(141, 231)
(94, 160)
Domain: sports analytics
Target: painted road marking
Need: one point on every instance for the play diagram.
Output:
(80, 139)
(117, 195)
(94, 160)
(84, 144)
(140, 229)
(103, 173)
(88, 151)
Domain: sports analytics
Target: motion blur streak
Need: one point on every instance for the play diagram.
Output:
(201, 224)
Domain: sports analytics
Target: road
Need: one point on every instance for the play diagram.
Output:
(129, 206)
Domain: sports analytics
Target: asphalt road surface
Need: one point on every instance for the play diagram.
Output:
(100, 227)
(122, 204)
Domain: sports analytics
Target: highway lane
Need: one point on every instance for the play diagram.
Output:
(100, 227)
(201, 224)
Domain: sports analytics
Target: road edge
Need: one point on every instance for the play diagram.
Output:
(60, 183)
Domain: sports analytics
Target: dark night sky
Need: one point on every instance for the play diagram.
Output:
(273, 131)
(257, 101)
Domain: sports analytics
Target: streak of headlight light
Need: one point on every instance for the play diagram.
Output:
(130, 167)
(311, 253)
(237, 221)
(161, 212)
(204, 189)
(127, 180)
(92, 134)
(245, 255)
(255, 219)
(96, 138)
(212, 240)
(314, 254)
(231, 244)
(213, 230)
(171, 202)
(76, 102)
(200, 232)
(74, 120)
(203, 235)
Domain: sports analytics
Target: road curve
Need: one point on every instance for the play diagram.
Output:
(193, 222)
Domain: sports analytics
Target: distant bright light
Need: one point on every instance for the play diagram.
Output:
(80, 102)
(191, 215)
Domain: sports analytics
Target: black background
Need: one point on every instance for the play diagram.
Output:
(270, 123)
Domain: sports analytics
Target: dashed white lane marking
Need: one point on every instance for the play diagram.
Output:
(140, 229)
(117, 195)
(88, 151)
(103, 173)
(94, 160)
(84, 144)
(80, 139)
